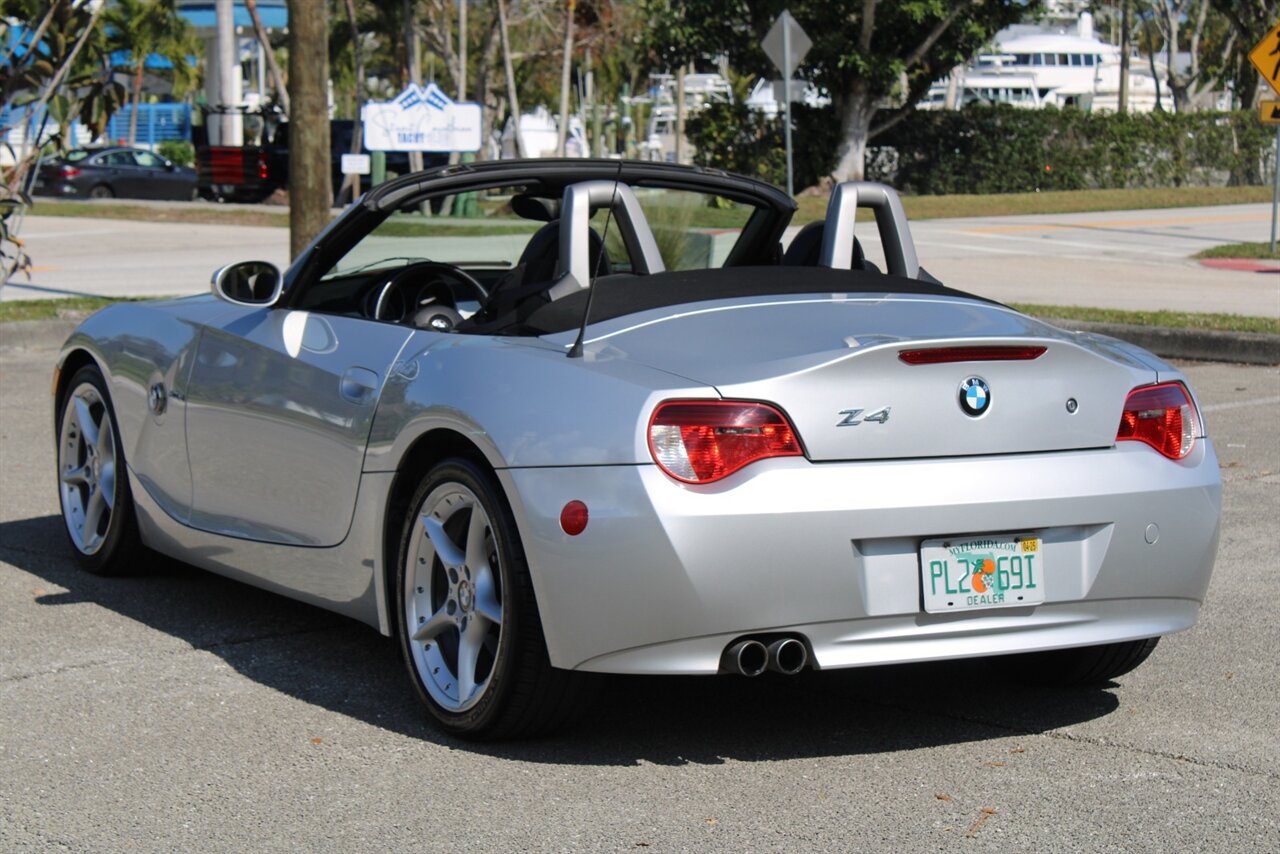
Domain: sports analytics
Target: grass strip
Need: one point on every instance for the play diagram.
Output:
(1168, 319)
(58, 308)
(203, 213)
(1260, 251)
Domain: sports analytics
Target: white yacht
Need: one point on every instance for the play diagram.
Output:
(1065, 69)
(538, 132)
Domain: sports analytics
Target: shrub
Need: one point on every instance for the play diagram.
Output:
(179, 151)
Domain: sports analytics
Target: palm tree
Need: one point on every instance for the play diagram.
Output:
(145, 27)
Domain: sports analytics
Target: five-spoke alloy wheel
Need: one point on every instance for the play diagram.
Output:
(92, 482)
(468, 620)
(453, 597)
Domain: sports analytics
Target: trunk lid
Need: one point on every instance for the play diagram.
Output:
(832, 363)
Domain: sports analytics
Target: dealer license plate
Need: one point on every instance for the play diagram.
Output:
(988, 571)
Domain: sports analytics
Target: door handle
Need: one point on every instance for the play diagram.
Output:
(358, 385)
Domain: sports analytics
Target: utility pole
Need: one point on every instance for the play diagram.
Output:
(462, 50)
(1122, 104)
(230, 96)
(680, 114)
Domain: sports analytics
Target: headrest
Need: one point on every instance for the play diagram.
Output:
(532, 207)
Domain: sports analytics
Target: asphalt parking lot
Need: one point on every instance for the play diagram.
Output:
(181, 711)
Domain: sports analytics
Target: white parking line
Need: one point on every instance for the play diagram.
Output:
(1240, 404)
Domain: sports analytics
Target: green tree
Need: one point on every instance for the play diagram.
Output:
(1250, 21)
(874, 57)
(141, 28)
(55, 69)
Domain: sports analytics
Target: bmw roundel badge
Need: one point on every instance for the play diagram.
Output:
(975, 396)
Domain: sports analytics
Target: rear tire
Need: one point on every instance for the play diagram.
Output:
(101, 191)
(93, 480)
(1086, 665)
(467, 619)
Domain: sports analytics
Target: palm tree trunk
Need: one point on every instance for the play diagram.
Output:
(413, 56)
(310, 187)
(357, 61)
(277, 79)
(137, 100)
(511, 79)
(562, 131)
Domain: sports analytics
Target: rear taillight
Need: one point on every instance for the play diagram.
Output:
(1163, 416)
(68, 171)
(701, 441)
(262, 167)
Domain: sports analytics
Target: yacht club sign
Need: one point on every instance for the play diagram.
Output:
(421, 118)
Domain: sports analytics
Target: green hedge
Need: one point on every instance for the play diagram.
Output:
(1001, 149)
(1005, 150)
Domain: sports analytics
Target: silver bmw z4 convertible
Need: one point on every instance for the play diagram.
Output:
(542, 419)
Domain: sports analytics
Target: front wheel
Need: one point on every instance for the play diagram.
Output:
(93, 483)
(1084, 665)
(468, 621)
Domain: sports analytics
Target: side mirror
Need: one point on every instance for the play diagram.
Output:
(248, 283)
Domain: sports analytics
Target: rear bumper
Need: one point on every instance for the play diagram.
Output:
(57, 188)
(666, 575)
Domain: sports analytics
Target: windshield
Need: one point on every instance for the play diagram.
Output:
(694, 231)
(461, 230)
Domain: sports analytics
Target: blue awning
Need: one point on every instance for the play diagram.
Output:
(203, 14)
(123, 59)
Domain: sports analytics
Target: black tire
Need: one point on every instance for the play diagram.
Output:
(101, 191)
(1086, 665)
(517, 692)
(110, 545)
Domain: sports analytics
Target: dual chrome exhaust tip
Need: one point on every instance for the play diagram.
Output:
(752, 657)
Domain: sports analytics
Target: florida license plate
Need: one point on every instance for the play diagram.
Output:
(989, 571)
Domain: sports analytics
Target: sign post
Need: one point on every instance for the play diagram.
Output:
(786, 44)
(1265, 57)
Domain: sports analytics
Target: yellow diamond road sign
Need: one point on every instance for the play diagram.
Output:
(1269, 112)
(1266, 58)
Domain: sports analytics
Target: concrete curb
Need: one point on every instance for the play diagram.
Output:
(36, 334)
(1253, 348)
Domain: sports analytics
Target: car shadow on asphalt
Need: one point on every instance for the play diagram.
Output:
(348, 668)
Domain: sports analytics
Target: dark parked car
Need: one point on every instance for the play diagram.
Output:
(104, 173)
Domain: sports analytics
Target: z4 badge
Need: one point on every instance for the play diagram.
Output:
(854, 417)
